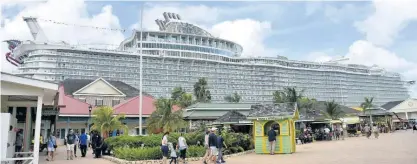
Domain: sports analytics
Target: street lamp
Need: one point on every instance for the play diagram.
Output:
(89, 117)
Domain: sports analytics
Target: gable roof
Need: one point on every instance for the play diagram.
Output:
(73, 85)
(94, 82)
(232, 116)
(391, 104)
(214, 110)
(281, 110)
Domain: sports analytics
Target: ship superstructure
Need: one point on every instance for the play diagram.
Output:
(180, 53)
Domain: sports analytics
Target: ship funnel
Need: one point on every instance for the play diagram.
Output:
(36, 30)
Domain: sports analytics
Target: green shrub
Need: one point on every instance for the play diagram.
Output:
(152, 153)
(135, 154)
(196, 151)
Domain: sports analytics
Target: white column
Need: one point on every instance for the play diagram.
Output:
(14, 112)
(406, 115)
(37, 130)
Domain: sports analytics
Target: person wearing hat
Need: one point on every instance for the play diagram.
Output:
(212, 142)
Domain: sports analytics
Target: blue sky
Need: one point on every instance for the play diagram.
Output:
(370, 32)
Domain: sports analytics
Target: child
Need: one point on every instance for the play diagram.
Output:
(173, 153)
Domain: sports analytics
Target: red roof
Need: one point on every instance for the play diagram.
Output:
(73, 106)
(131, 106)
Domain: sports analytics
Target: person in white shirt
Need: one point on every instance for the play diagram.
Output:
(182, 146)
(207, 154)
(164, 148)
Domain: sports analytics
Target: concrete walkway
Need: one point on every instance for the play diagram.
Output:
(399, 147)
(393, 148)
(61, 158)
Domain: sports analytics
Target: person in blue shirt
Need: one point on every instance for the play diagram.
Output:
(83, 143)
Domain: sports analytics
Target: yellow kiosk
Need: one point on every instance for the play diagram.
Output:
(279, 116)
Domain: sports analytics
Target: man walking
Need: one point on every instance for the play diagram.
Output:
(70, 145)
(220, 143)
(206, 146)
(213, 145)
(83, 144)
(367, 131)
(272, 137)
(76, 144)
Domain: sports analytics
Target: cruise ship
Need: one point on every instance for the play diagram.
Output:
(181, 52)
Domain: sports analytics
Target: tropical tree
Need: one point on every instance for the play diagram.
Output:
(176, 93)
(163, 119)
(287, 95)
(201, 91)
(306, 104)
(104, 121)
(233, 98)
(367, 106)
(181, 98)
(185, 100)
(333, 111)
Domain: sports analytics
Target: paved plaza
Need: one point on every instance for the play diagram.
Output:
(393, 148)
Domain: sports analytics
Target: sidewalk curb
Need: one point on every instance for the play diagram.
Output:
(122, 161)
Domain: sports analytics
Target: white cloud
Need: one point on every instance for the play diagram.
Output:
(73, 12)
(247, 32)
(388, 19)
(381, 28)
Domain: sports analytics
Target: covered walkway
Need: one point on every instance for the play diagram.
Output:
(34, 95)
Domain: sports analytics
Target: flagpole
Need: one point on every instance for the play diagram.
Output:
(140, 71)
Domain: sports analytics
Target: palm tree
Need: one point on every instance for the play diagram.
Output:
(333, 111)
(105, 121)
(177, 93)
(181, 98)
(201, 91)
(287, 95)
(307, 104)
(367, 106)
(164, 119)
(233, 98)
(185, 100)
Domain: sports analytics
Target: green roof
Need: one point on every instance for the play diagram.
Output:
(220, 106)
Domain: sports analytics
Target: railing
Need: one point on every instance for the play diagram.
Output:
(24, 160)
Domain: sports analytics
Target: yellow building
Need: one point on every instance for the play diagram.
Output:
(281, 117)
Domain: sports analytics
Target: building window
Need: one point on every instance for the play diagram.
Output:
(115, 102)
(99, 102)
(83, 99)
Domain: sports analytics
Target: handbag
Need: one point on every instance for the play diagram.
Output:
(55, 146)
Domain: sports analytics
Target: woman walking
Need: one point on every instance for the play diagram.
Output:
(164, 147)
(51, 146)
(375, 129)
(182, 146)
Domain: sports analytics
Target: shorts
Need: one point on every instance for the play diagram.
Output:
(70, 147)
(213, 150)
(51, 149)
(164, 150)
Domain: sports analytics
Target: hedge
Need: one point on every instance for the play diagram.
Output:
(152, 153)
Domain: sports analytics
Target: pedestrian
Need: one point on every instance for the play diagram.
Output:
(414, 127)
(337, 131)
(206, 146)
(212, 142)
(182, 147)
(164, 148)
(93, 141)
(70, 145)
(76, 144)
(19, 141)
(367, 131)
(98, 144)
(220, 143)
(83, 143)
(51, 146)
(173, 153)
(88, 140)
(272, 137)
(375, 129)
